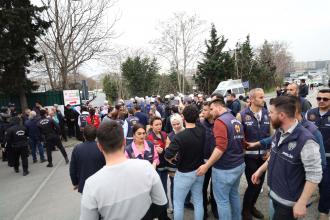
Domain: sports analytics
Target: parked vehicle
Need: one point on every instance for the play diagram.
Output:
(230, 86)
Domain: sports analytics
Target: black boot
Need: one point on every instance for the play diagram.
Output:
(49, 165)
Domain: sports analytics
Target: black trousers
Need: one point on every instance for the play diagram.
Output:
(282, 212)
(63, 132)
(4, 153)
(71, 129)
(252, 191)
(23, 153)
(51, 142)
(207, 179)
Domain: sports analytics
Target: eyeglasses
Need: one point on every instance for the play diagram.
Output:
(322, 98)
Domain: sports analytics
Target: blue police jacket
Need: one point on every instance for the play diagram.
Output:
(255, 130)
(286, 174)
(234, 155)
(323, 123)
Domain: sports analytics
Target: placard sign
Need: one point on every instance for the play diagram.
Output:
(71, 97)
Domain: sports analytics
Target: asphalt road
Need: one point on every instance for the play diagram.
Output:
(47, 193)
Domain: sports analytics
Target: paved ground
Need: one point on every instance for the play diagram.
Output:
(46, 193)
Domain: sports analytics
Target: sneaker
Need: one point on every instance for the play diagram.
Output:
(42, 161)
(169, 211)
(49, 165)
(25, 173)
(16, 169)
(35, 161)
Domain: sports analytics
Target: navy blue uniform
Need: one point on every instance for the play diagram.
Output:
(323, 123)
(286, 174)
(255, 129)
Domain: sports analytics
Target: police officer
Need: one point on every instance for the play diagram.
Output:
(256, 126)
(131, 120)
(294, 165)
(17, 139)
(227, 160)
(4, 125)
(12, 109)
(51, 132)
(320, 116)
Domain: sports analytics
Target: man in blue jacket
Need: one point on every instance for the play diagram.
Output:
(35, 137)
(233, 104)
(294, 151)
(320, 116)
(86, 159)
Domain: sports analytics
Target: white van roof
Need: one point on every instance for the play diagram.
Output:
(230, 84)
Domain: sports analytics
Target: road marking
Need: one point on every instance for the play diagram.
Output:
(35, 194)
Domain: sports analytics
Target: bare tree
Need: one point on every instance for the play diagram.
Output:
(79, 32)
(282, 58)
(180, 43)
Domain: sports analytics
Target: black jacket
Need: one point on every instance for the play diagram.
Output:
(48, 128)
(303, 90)
(16, 136)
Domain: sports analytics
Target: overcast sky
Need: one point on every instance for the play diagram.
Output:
(303, 24)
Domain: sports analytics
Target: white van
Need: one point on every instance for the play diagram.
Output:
(230, 86)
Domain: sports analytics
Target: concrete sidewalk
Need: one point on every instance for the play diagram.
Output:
(46, 193)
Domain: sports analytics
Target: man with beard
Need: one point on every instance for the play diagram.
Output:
(320, 116)
(256, 126)
(294, 165)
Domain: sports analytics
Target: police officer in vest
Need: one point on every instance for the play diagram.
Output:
(227, 160)
(4, 125)
(256, 126)
(131, 120)
(17, 139)
(320, 116)
(51, 131)
(294, 165)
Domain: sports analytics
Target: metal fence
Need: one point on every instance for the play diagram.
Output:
(48, 98)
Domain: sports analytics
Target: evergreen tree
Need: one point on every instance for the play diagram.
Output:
(140, 74)
(110, 88)
(20, 25)
(216, 65)
(245, 62)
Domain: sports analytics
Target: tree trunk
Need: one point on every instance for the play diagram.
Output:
(23, 100)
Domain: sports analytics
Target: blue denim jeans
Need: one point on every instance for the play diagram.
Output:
(183, 182)
(225, 190)
(34, 144)
(163, 178)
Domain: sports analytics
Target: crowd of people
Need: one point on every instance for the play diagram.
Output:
(202, 145)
